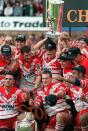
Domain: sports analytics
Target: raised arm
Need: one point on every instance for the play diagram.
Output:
(39, 44)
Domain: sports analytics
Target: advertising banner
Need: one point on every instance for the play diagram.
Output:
(75, 13)
(22, 24)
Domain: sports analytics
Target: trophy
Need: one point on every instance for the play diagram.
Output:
(54, 17)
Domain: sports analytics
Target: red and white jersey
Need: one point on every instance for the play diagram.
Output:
(29, 71)
(1, 80)
(15, 51)
(67, 72)
(76, 92)
(4, 65)
(84, 62)
(84, 86)
(84, 52)
(61, 105)
(74, 43)
(10, 102)
(52, 64)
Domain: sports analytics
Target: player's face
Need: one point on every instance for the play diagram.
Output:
(19, 44)
(46, 79)
(65, 63)
(75, 74)
(77, 58)
(51, 54)
(27, 56)
(8, 81)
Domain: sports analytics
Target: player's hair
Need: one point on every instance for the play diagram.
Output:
(25, 49)
(46, 71)
(9, 73)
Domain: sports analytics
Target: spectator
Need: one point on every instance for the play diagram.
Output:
(8, 11)
(21, 8)
(39, 8)
(18, 10)
(1, 7)
(29, 8)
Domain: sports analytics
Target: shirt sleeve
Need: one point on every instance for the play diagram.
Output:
(38, 67)
(84, 83)
(38, 99)
(59, 87)
(41, 53)
(21, 96)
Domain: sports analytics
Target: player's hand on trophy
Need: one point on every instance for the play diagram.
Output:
(31, 102)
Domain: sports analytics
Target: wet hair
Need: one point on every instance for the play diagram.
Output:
(46, 71)
(80, 68)
(25, 49)
(9, 73)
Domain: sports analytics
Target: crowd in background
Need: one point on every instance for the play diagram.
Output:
(21, 8)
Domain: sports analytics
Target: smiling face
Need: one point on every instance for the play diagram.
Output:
(8, 81)
(78, 58)
(77, 74)
(51, 54)
(27, 56)
(19, 44)
(46, 79)
(65, 63)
